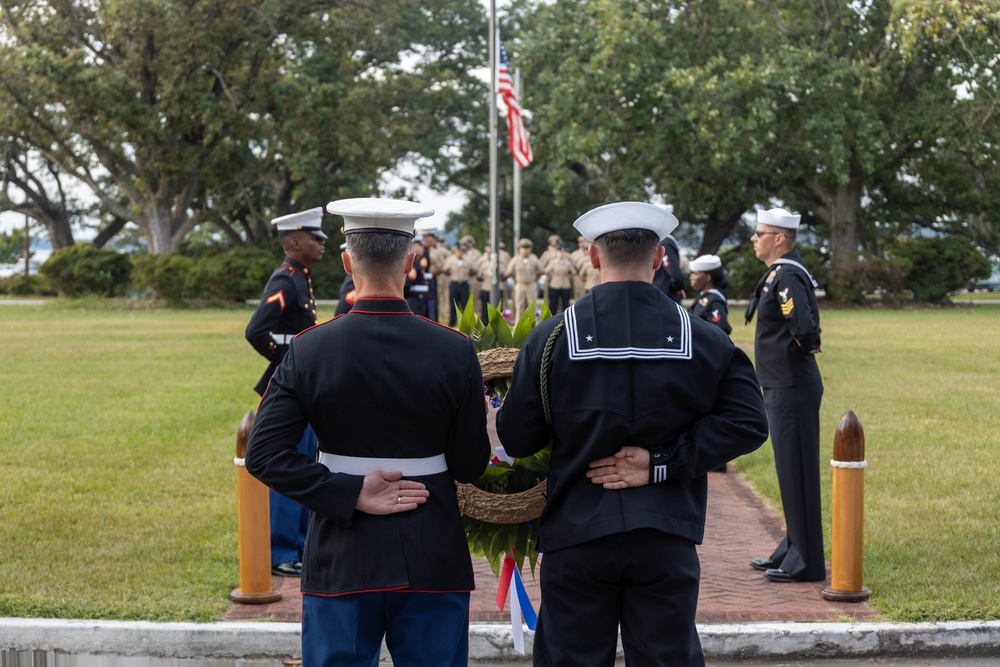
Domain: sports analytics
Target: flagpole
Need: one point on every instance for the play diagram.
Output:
(517, 173)
(494, 223)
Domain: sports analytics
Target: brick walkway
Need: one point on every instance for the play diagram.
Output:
(740, 526)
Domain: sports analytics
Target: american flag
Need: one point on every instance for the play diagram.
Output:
(520, 147)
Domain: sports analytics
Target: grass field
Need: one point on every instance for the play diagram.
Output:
(117, 433)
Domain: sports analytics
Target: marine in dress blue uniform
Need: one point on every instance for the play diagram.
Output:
(786, 340)
(287, 308)
(644, 400)
(398, 407)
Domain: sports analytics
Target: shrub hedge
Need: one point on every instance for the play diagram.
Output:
(83, 268)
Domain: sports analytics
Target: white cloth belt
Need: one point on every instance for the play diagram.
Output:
(283, 339)
(360, 465)
(419, 288)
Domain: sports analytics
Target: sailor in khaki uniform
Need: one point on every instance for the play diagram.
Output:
(397, 404)
(472, 256)
(525, 270)
(458, 269)
(560, 271)
(579, 257)
(486, 278)
(438, 256)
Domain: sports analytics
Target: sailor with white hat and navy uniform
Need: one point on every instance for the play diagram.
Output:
(639, 401)
(287, 308)
(786, 341)
(398, 407)
(709, 279)
(669, 276)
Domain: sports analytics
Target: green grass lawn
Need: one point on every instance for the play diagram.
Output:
(926, 386)
(117, 433)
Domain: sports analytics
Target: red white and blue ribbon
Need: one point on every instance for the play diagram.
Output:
(520, 604)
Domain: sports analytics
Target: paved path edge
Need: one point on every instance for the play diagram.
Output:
(492, 641)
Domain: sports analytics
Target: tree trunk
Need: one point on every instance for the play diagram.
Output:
(717, 229)
(158, 229)
(839, 210)
(60, 232)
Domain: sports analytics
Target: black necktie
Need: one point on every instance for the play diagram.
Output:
(752, 306)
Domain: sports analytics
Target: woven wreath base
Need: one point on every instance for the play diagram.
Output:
(497, 362)
(506, 508)
(500, 508)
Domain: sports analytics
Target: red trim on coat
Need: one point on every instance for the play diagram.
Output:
(443, 326)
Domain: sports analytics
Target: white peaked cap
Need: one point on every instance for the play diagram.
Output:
(306, 221)
(779, 217)
(389, 216)
(626, 215)
(705, 263)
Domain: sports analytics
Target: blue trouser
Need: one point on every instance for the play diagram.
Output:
(793, 416)
(420, 629)
(289, 520)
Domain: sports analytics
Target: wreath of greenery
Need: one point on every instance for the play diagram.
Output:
(495, 540)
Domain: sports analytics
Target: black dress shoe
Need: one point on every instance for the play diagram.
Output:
(292, 568)
(763, 564)
(779, 575)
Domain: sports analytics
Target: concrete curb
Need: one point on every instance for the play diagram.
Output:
(490, 642)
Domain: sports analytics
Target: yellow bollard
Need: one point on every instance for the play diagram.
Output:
(253, 509)
(848, 546)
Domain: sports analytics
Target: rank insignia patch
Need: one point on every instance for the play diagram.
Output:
(787, 302)
(279, 298)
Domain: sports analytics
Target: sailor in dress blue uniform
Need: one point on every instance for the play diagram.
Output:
(786, 341)
(709, 279)
(639, 401)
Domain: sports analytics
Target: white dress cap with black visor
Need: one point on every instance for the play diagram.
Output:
(306, 221)
(387, 216)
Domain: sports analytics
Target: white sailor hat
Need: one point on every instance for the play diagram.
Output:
(306, 221)
(705, 263)
(626, 215)
(779, 217)
(389, 216)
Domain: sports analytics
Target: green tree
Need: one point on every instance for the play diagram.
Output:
(175, 114)
(11, 246)
(43, 190)
(871, 118)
